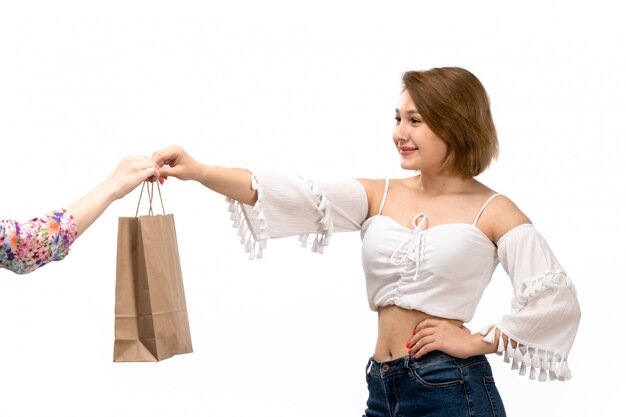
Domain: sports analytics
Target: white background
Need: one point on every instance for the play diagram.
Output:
(307, 88)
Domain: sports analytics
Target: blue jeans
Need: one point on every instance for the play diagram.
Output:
(436, 385)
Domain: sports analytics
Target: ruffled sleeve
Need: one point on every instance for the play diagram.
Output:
(31, 245)
(289, 205)
(545, 313)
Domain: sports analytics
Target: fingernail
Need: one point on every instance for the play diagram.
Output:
(410, 351)
(408, 344)
(161, 180)
(414, 332)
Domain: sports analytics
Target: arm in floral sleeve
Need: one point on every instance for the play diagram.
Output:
(25, 247)
(30, 245)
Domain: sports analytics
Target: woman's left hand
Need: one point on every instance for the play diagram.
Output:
(441, 335)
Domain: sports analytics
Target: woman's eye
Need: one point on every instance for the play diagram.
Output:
(397, 119)
(414, 121)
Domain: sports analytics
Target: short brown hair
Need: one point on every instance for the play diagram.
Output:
(455, 105)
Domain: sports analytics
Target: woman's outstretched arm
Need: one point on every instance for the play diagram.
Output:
(267, 204)
(129, 173)
(232, 182)
(25, 247)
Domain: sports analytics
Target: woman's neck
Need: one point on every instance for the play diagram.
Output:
(442, 183)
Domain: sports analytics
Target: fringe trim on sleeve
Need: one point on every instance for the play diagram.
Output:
(254, 244)
(540, 363)
(320, 239)
(530, 289)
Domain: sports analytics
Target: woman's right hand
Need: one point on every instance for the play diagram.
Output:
(174, 161)
(129, 173)
(234, 183)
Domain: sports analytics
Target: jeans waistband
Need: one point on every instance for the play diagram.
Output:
(407, 362)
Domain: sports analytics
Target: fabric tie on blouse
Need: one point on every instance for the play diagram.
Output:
(412, 249)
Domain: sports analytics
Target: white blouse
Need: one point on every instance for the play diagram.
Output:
(441, 271)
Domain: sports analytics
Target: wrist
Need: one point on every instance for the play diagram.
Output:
(480, 347)
(205, 174)
(107, 192)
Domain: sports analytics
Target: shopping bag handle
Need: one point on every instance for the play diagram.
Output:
(150, 191)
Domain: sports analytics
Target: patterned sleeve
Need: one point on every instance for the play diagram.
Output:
(544, 317)
(289, 205)
(30, 245)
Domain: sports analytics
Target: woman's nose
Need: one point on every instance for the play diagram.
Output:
(400, 132)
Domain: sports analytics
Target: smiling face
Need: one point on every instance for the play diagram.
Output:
(419, 147)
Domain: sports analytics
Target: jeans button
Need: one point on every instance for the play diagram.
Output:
(385, 368)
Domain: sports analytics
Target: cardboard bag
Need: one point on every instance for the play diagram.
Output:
(151, 321)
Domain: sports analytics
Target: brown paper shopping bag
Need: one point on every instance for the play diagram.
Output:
(151, 321)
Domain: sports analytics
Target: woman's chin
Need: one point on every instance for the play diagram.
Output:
(408, 166)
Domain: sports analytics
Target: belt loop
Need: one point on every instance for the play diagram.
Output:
(411, 371)
(367, 369)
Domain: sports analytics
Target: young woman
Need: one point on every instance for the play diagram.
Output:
(430, 245)
(24, 247)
